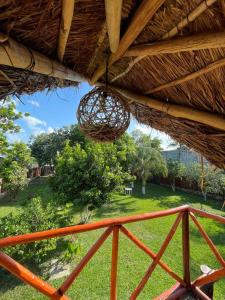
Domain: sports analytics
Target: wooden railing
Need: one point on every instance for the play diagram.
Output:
(115, 227)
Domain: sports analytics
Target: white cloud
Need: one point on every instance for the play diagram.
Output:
(34, 103)
(50, 129)
(165, 139)
(33, 122)
(145, 129)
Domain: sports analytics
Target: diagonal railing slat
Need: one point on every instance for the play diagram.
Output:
(67, 283)
(208, 240)
(115, 225)
(28, 277)
(157, 259)
(149, 252)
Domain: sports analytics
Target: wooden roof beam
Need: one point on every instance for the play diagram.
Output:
(209, 68)
(191, 17)
(181, 44)
(16, 55)
(178, 111)
(144, 13)
(113, 12)
(66, 21)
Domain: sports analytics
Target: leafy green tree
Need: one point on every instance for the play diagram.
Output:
(88, 175)
(45, 146)
(13, 168)
(175, 170)
(8, 116)
(209, 179)
(148, 160)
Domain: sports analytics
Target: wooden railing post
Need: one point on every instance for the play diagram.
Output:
(115, 246)
(186, 249)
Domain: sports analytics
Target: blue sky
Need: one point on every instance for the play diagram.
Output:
(55, 109)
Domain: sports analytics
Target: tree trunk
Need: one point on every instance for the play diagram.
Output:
(143, 186)
(205, 195)
(173, 185)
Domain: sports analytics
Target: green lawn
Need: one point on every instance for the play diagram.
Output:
(93, 282)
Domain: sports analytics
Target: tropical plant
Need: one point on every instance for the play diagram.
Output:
(148, 160)
(8, 116)
(89, 175)
(176, 169)
(13, 168)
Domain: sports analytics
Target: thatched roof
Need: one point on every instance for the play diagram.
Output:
(36, 25)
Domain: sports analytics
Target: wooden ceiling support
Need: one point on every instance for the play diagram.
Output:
(16, 55)
(181, 44)
(66, 21)
(192, 16)
(209, 68)
(178, 111)
(143, 15)
(113, 12)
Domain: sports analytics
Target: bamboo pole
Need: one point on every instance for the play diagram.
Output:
(66, 21)
(16, 55)
(213, 66)
(182, 44)
(193, 15)
(113, 12)
(157, 259)
(101, 38)
(174, 110)
(143, 15)
(28, 277)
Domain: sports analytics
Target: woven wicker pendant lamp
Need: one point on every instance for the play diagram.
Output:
(102, 114)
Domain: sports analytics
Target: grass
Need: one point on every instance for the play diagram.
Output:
(93, 282)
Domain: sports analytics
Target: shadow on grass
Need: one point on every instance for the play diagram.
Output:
(168, 199)
(120, 206)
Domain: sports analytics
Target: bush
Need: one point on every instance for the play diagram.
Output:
(34, 217)
(89, 175)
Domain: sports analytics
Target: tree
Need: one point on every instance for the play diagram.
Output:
(209, 179)
(13, 168)
(88, 175)
(8, 116)
(45, 146)
(148, 160)
(175, 170)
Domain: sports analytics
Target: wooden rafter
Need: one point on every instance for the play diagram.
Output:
(16, 55)
(178, 111)
(143, 15)
(113, 11)
(66, 21)
(209, 68)
(101, 38)
(181, 44)
(192, 16)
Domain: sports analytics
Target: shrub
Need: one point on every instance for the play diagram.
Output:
(34, 217)
(89, 175)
